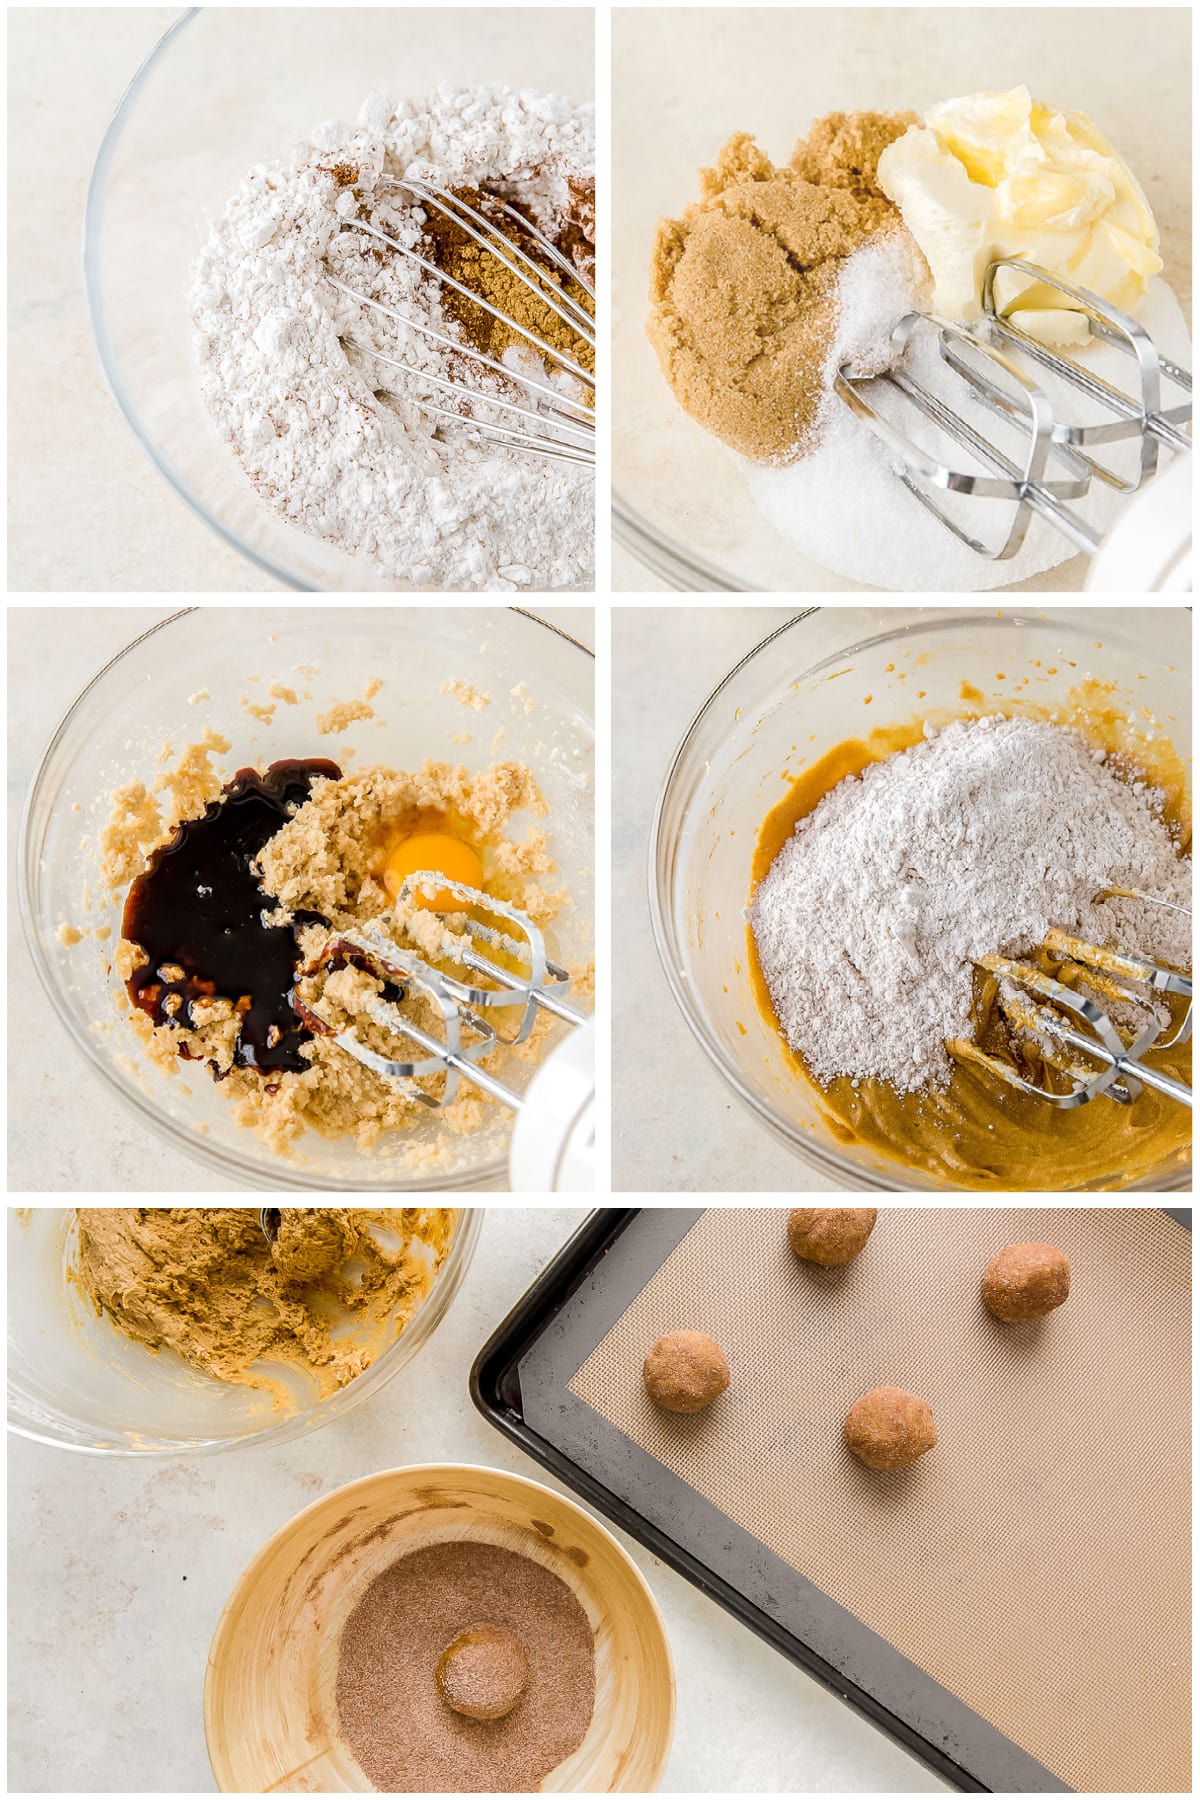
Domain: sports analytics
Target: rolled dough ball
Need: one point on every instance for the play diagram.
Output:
(483, 1673)
(830, 1235)
(889, 1428)
(1026, 1281)
(685, 1371)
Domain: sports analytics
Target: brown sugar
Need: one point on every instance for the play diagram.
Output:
(743, 285)
(391, 1714)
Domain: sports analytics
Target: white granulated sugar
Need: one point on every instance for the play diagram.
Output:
(971, 843)
(307, 418)
(842, 505)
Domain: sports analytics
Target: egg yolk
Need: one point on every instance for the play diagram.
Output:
(442, 852)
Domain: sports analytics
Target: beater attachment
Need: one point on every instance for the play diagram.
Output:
(1073, 1030)
(502, 969)
(999, 363)
(557, 425)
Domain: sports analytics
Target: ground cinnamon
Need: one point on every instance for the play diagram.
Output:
(394, 1720)
(477, 268)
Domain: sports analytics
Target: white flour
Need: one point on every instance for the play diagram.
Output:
(305, 417)
(842, 505)
(971, 843)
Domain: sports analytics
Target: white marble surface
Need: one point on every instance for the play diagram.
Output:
(87, 511)
(118, 1572)
(629, 576)
(676, 1126)
(64, 1135)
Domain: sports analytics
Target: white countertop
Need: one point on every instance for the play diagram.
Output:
(64, 1134)
(121, 1570)
(676, 1126)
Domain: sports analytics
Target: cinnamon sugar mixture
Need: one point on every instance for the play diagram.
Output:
(393, 1717)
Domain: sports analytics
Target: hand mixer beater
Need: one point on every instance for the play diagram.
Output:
(555, 420)
(481, 987)
(1075, 1032)
(1048, 408)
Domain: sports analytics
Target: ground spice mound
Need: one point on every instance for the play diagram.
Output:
(578, 241)
(476, 267)
(392, 1717)
(743, 285)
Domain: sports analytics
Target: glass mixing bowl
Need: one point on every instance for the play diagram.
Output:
(813, 676)
(144, 697)
(682, 82)
(75, 1382)
(225, 89)
(680, 504)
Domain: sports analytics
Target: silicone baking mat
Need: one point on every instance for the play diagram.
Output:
(1016, 1606)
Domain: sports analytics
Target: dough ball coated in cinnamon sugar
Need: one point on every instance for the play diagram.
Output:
(889, 1428)
(685, 1371)
(483, 1673)
(830, 1235)
(1025, 1281)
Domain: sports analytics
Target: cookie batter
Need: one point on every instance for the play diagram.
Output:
(328, 868)
(974, 1133)
(337, 1286)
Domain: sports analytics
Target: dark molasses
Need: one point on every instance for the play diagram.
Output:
(198, 911)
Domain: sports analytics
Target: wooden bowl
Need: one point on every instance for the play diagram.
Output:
(270, 1712)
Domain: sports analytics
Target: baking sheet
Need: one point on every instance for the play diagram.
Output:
(1017, 1605)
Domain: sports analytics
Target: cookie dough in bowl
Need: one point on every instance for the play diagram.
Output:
(207, 1285)
(290, 761)
(173, 1331)
(1098, 702)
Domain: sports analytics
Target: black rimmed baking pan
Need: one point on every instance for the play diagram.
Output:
(1014, 1608)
